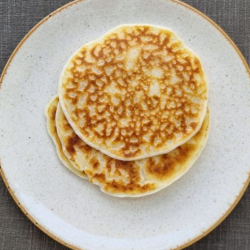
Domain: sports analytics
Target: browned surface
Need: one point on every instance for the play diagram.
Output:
(136, 92)
(129, 178)
(51, 125)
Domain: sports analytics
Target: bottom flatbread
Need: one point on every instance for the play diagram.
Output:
(50, 113)
(127, 178)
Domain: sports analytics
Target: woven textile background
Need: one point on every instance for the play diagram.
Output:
(17, 17)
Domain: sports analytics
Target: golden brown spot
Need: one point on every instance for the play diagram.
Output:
(53, 113)
(161, 170)
(95, 163)
(130, 189)
(70, 144)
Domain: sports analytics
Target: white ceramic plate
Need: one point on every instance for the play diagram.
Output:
(76, 213)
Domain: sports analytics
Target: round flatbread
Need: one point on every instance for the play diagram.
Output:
(129, 178)
(135, 92)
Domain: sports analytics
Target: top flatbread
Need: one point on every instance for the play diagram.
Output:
(135, 92)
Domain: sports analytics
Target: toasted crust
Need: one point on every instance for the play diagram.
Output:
(129, 178)
(50, 113)
(136, 92)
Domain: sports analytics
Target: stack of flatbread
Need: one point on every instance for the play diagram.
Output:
(131, 112)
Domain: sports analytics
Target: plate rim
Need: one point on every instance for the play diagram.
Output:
(14, 197)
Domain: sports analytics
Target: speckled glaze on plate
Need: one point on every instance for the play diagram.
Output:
(76, 213)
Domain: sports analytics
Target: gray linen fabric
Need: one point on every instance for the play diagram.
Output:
(17, 17)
